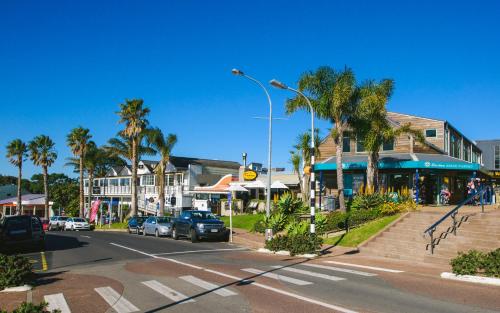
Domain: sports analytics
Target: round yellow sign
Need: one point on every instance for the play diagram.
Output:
(249, 175)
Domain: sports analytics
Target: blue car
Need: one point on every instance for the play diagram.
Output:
(135, 224)
(197, 225)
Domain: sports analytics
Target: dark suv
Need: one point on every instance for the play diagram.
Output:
(135, 224)
(198, 225)
(21, 231)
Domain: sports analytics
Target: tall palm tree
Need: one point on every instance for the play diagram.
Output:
(16, 153)
(296, 160)
(163, 145)
(77, 140)
(134, 116)
(42, 153)
(334, 97)
(303, 147)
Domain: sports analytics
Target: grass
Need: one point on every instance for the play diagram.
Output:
(113, 226)
(358, 235)
(245, 221)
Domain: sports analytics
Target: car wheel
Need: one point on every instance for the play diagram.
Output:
(157, 234)
(226, 237)
(175, 236)
(129, 230)
(72, 228)
(144, 232)
(194, 237)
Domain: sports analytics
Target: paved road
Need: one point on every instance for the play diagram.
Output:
(91, 271)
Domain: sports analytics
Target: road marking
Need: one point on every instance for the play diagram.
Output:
(44, 261)
(239, 279)
(277, 277)
(366, 267)
(167, 291)
(115, 300)
(208, 286)
(298, 271)
(57, 302)
(339, 269)
(196, 251)
(84, 236)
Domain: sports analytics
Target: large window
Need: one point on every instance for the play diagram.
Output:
(346, 142)
(388, 145)
(455, 144)
(466, 151)
(178, 179)
(113, 182)
(124, 181)
(430, 133)
(148, 180)
(497, 157)
(170, 179)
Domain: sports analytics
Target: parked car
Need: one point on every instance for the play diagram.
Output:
(57, 222)
(135, 224)
(20, 231)
(198, 225)
(45, 224)
(76, 223)
(158, 226)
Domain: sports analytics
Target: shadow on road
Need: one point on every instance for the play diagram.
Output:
(62, 242)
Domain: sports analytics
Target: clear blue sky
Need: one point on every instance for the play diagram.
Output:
(70, 63)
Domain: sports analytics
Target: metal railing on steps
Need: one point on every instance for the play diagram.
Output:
(434, 241)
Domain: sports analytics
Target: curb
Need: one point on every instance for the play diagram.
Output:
(287, 253)
(472, 279)
(111, 229)
(17, 289)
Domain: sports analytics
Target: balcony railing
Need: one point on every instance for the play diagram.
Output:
(126, 190)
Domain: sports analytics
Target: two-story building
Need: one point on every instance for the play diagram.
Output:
(491, 157)
(447, 158)
(182, 175)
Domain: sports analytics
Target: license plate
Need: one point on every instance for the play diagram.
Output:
(213, 230)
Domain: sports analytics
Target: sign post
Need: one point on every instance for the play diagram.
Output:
(229, 201)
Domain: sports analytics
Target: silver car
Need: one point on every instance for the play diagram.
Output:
(158, 226)
(57, 222)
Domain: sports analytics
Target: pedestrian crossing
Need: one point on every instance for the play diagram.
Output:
(302, 274)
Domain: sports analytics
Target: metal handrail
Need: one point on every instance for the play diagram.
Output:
(453, 213)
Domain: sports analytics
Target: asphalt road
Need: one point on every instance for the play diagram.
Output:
(93, 270)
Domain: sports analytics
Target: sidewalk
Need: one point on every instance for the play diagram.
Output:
(248, 239)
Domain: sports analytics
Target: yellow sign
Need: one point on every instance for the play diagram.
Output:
(249, 175)
(307, 169)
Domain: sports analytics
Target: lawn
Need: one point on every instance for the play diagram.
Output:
(358, 235)
(113, 226)
(245, 221)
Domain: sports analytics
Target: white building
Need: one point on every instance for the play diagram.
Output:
(182, 176)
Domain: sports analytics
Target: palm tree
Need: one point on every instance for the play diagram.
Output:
(43, 154)
(334, 97)
(162, 145)
(296, 160)
(133, 115)
(303, 147)
(77, 141)
(16, 153)
(374, 128)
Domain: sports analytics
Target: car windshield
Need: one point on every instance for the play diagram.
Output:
(140, 219)
(204, 215)
(163, 220)
(17, 223)
(63, 218)
(79, 220)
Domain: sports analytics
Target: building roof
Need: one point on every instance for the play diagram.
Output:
(27, 199)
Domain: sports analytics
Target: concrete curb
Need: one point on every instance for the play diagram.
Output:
(18, 289)
(287, 253)
(472, 279)
(111, 229)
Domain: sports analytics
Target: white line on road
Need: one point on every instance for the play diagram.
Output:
(339, 269)
(196, 251)
(381, 269)
(309, 273)
(167, 291)
(208, 286)
(236, 278)
(278, 277)
(115, 300)
(57, 302)
(84, 236)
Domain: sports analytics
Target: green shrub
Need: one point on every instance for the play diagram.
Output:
(259, 227)
(277, 243)
(491, 263)
(28, 307)
(297, 228)
(467, 263)
(358, 217)
(390, 208)
(276, 222)
(15, 271)
(336, 221)
(367, 201)
(320, 222)
(289, 204)
(298, 244)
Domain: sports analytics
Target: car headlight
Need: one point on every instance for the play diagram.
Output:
(200, 225)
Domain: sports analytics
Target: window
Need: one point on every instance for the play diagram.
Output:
(86, 182)
(346, 142)
(455, 144)
(170, 180)
(430, 133)
(360, 145)
(124, 181)
(388, 146)
(466, 151)
(148, 180)
(178, 179)
(497, 157)
(113, 182)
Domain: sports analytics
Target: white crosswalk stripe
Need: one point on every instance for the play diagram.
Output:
(167, 291)
(277, 277)
(115, 300)
(208, 286)
(57, 302)
(381, 269)
(339, 269)
(309, 273)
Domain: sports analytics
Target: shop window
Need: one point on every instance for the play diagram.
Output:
(430, 133)
(388, 145)
(346, 142)
(360, 145)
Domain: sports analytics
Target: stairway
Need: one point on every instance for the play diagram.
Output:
(404, 240)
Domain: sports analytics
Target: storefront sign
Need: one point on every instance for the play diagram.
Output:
(402, 164)
(249, 175)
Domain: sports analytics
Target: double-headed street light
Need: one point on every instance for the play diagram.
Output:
(269, 156)
(280, 85)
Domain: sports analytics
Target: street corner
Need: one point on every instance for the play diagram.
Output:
(77, 290)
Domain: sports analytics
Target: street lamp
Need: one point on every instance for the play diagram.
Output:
(280, 85)
(269, 155)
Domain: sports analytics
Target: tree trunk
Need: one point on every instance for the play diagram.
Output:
(133, 183)
(91, 187)
(19, 180)
(339, 143)
(161, 192)
(372, 171)
(46, 189)
(82, 197)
